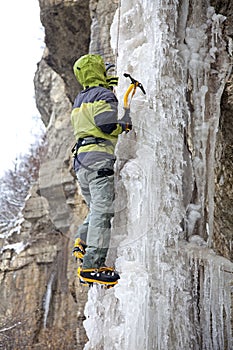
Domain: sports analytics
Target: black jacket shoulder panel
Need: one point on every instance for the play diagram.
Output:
(92, 94)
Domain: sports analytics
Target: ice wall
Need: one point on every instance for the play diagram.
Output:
(174, 291)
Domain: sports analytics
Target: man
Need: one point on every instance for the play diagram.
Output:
(96, 130)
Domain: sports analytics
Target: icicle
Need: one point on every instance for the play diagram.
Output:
(172, 294)
(47, 299)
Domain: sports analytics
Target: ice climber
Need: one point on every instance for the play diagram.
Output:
(96, 130)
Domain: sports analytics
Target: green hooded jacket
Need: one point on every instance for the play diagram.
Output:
(94, 111)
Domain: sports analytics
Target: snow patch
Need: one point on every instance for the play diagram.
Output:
(16, 247)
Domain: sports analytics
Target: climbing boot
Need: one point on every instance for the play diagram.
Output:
(104, 275)
(79, 249)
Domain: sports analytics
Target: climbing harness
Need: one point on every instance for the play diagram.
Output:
(89, 140)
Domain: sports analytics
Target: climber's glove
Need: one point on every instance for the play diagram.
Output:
(126, 121)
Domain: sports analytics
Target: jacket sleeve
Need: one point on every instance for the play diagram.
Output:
(106, 111)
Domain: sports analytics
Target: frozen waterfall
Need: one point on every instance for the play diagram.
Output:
(174, 292)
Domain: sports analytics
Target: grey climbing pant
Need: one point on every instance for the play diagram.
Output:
(98, 192)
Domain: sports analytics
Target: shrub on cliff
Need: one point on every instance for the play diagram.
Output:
(15, 183)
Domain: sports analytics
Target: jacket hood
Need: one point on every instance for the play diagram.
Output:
(90, 70)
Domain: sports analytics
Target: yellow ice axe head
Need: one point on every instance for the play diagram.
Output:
(132, 88)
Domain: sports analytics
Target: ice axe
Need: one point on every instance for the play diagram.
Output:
(132, 88)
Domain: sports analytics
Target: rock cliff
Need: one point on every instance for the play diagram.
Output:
(41, 299)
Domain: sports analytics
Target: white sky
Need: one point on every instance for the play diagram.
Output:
(21, 42)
